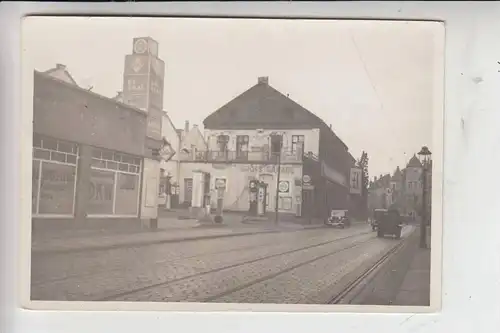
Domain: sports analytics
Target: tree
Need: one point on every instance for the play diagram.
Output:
(362, 163)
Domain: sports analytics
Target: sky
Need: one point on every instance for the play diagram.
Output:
(372, 81)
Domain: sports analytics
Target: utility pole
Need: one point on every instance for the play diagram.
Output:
(276, 144)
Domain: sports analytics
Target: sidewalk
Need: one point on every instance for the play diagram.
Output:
(175, 227)
(403, 280)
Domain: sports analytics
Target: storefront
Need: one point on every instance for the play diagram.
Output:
(54, 177)
(114, 184)
(238, 178)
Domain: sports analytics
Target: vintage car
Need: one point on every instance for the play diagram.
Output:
(390, 224)
(378, 214)
(338, 219)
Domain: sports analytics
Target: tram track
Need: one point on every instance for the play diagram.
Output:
(114, 296)
(352, 289)
(172, 260)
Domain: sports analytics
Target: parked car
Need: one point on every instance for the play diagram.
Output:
(390, 224)
(338, 219)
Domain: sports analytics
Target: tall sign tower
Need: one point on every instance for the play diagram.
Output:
(143, 82)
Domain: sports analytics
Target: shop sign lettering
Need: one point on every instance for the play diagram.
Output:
(272, 168)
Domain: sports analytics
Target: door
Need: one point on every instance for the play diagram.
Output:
(188, 191)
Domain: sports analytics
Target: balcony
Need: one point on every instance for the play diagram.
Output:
(241, 157)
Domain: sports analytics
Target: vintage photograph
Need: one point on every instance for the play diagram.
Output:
(245, 161)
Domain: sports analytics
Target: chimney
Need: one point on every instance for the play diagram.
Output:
(186, 126)
(61, 66)
(263, 80)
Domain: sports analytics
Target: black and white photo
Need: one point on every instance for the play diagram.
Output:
(234, 162)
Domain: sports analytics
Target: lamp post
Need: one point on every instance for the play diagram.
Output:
(425, 156)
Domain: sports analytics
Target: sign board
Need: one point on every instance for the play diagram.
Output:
(156, 91)
(306, 179)
(333, 175)
(284, 186)
(355, 181)
(220, 183)
(308, 187)
(136, 64)
(136, 85)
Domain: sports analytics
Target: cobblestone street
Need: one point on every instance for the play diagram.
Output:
(307, 266)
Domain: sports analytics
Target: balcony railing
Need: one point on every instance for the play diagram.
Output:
(241, 156)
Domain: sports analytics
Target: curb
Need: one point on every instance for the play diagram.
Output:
(155, 242)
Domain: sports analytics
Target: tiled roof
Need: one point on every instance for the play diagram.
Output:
(264, 107)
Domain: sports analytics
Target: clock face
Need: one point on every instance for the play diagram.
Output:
(140, 46)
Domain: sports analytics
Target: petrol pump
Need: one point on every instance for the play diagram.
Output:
(253, 196)
(257, 197)
(262, 198)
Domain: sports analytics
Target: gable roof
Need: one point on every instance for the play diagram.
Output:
(262, 106)
(61, 73)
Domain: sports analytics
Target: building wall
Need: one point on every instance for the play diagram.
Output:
(150, 188)
(237, 177)
(259, 139)
(169, 132)
(194, 139)
(87, 153)
(67, 112)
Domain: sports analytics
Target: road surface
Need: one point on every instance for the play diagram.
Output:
(304, 267)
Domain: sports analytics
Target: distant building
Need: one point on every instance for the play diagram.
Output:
(315, 163)
(403, 190)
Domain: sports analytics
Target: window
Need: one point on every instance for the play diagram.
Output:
(114, 184)
(54, 175)
(285, 203)
(222, 142)
(298, 144)
(242, 146)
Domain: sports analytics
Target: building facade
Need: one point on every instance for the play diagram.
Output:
(88, 152)
(403, 190)
(312, 161)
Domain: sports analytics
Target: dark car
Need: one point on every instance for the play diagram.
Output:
(390, 224)
(378, 214)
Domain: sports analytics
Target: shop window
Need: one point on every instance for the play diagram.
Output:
(101, 192)
(114, 188)
(54, 176)
(285, 203)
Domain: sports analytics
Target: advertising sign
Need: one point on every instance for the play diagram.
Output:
(158, 67)
(156, 92)
(284, 186)
(136, 64)
(57, 189)
(136, 85)
(220, 183)
(101, 192)
(355, 181)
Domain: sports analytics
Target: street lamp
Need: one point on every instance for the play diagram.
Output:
(425, 158)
